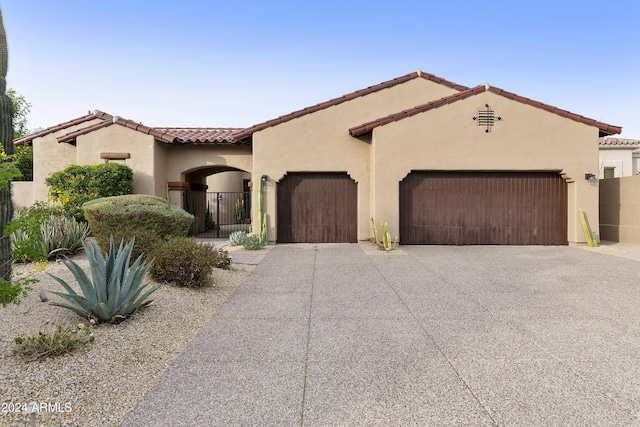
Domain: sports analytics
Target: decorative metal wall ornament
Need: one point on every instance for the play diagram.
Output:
(486, 118)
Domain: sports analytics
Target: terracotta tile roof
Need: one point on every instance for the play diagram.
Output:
(369, 126)
(168, 135)
(202, 135)
(248, 132)
(619, 143)
(43, 132)
(605, 129)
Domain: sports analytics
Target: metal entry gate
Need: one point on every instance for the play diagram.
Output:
(218, 214)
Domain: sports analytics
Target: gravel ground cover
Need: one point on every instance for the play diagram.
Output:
(99, 384)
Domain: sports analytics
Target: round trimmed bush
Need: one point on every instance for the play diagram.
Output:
(185, 262)
(148, 218)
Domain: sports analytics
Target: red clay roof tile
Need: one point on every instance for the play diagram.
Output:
(248, 132)
(202, 135)
(168, 135)
(619, 142)
(64, 125)
(368, 127)
(605, 129)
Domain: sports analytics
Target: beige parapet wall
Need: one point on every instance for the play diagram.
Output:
(620, 209)
(22, 194)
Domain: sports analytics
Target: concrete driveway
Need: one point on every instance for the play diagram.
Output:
(325, 335)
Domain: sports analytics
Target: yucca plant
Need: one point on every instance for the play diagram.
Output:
(115, 290)
(62, 235)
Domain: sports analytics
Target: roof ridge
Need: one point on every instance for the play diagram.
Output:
(54, 128)
(484, 87)
(369, 126)
(195, 127)
(605, 128)
(247, 132)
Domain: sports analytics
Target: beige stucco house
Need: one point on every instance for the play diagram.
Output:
(441, 163)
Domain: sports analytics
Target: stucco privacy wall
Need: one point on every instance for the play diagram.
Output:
(320, 142)
(183, 159)
(620, 209)
(447, 138)
(50, 156)
(227, 181)
(119, 139)
(22, 193)
(619, 158)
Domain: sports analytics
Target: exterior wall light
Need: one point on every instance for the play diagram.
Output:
(590, 177)
(264, 178)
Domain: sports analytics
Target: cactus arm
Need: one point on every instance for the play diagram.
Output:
(6, 137)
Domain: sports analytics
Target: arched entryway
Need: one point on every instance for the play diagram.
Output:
(219, 197)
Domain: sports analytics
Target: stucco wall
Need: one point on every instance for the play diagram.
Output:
(22, 194)
(320, 142)
(187, 158)
(50, 156)
(620, 209)
(227, 181)
(526, 139)
(620, 159)
(160, 168)
(120, 139)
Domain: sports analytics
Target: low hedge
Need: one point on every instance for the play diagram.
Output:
(147, 218)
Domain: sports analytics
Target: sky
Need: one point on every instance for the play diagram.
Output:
(238, 63)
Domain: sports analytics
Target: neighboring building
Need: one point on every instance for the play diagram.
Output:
(440, 162)
(619, 157)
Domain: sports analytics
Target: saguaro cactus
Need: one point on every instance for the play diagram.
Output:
(6, 137)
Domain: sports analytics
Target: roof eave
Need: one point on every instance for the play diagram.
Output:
(52, 129)
(248, 132)
(605, 129)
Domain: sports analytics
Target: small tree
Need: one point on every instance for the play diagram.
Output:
(23, 159)
(21, 109)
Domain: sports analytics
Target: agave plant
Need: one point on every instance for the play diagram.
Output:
(115, 290)
(237, 237)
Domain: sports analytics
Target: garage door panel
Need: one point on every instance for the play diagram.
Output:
(317, 208)
(471, 208)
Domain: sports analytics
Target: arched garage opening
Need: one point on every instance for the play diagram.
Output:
(483, 208)
(219, 197)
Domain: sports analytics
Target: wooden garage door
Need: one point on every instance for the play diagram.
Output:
(483, 208)
(317, 208)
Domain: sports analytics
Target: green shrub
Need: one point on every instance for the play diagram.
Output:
(76, 184)
(149, 219)
(23, 159)
(114, 291)
(222, 259)
(19, 285)
(53, 340)
(185, 262)
(209, 223)
(237, 238)
(43, 232)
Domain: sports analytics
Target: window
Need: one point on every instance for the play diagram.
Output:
(609, 172)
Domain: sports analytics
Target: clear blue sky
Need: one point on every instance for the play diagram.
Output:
(237, 63)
